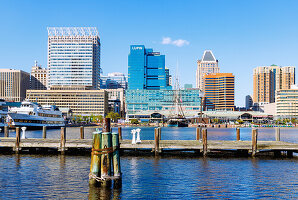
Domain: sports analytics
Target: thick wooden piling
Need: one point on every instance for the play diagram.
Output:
(120, 132)
(6, 131)
(62, 140)
(254, 141)
(204, 137)
(82, 132)
(95, 159)
(18, 140)
(277, 134)
(156, 141)
(289, 154)
(44, 132)
(198, 133)
(116, 160)
(238, 134)
(106, 147)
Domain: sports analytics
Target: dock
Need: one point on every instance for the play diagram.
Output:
(200, 145)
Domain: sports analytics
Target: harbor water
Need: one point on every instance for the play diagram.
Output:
(55, 176)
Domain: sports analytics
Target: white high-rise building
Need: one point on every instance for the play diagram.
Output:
(73, 56)
(208, 65)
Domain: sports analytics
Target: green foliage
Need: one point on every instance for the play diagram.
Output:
(240, 121)
(113, 116)
(134, 121)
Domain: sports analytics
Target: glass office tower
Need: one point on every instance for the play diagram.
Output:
(73, 56)
(146, 69)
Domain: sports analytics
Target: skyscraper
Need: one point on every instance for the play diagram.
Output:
(13, 84)
(113, 80)
(146, 69)
(38, 78)
(268, 79)
(207, 65)
(219, 91)
(73, 56)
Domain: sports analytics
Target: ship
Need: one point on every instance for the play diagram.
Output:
(177, 119)
(34, 116)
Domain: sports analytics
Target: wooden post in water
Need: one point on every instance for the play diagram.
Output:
(238, 134)
(106, 146)
(62, 140)
(116, 160)
(254, 140)
(18, 140)
(6, 131)
(204, 136)
(44, 132)
(277, 134)
(95, 159)
(289, 154)
(156, 141)
(82, 132)
(198, 133)
(120, 132)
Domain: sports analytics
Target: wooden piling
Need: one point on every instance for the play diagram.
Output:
(159, 133)
(44, 132)
(95, 159)
(204, 136)
(106, 147)
(120, 132)
(238, 134)
(198, 133)
(254, 141)
(156, 141)
(18, 140)
(62, 140)
(116, 160)
(289, 154)
(82, 132)
(277, 134)
(6, 131)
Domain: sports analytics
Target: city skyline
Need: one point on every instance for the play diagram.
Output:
(240, 39)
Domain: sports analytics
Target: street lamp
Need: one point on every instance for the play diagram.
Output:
(201, 95)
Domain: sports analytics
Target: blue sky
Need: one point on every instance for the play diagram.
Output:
(241, 34)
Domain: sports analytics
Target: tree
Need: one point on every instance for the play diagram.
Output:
(134, 121)
(113, 116)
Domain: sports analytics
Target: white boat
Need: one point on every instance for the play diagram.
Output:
(32, 115)
(3, 114)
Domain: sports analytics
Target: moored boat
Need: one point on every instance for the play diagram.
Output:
(34, 116)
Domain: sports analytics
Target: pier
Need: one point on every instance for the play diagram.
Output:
(200, 145)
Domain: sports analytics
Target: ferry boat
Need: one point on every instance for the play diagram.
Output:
(3, 114)
(34, 116)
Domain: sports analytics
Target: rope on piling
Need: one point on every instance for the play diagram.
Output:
(93, 176)
(104, 151)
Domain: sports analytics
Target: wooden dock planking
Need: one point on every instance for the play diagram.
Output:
(149, 144)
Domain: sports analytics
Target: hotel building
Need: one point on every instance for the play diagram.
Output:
(13, 84)
(74, 56)
(287, 102)
(208, 65)
(268, 79)
(38, 78)
(81, 102)
(219, 91)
